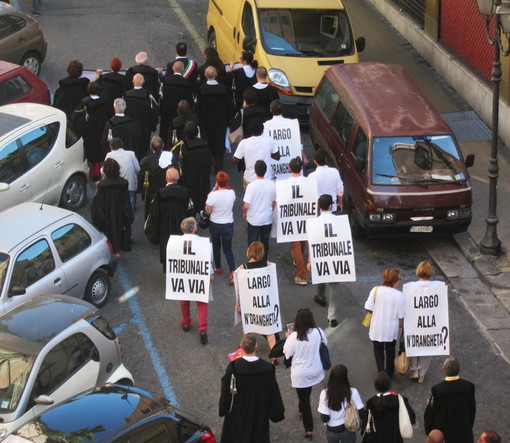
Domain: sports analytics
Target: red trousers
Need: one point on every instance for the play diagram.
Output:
(202, 314)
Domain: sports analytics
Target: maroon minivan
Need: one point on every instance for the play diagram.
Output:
(401, 165)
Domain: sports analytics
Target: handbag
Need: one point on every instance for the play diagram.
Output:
(368, 316)
(352, 421)
(404, 422)
(324, 353)
(236, 136)
(369, 431)
(401, 360)
(203, 219)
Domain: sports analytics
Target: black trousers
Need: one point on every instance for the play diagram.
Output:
(304, 407)
(380, 348)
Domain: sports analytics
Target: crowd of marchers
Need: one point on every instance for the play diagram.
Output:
(192, 109)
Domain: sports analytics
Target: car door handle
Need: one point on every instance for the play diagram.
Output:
(21, 39)
(24, 188)
(234, 33)
(59, 164)
(57, 281)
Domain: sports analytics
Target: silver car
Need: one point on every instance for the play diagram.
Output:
(49, 250)
(52, 348)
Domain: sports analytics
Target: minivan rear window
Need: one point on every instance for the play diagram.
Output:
(425, 160)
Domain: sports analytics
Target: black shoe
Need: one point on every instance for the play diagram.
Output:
(333, 323)
(309, 435)
(320, 300)
(185, 328)
(203, 337)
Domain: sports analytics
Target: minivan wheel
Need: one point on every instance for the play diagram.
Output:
(73, 194)
(98, 288)
(32, 62)
(357, 230)
(212, 40)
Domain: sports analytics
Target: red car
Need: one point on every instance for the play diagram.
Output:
(19, 85)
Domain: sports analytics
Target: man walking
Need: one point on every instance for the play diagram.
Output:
(151, 177)
(328, 180)
(452, 405)
(265, 92)
(150, 75)
(250, 397)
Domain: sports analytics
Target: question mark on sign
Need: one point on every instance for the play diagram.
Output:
(276, 312)
(445, 331)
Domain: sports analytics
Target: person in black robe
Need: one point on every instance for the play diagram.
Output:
(243, 77)
(190, 71)
(184, 115)
(150, 75)
(214, 114)
(196, 166)
(169, 207)
(112, 83)
(71, 89)
(213, 59)
(124, 127)
(452, 406)
(142, 107)
(110, 209)
(265, 92)
(256, 398)
(89, 118)
(151, 176)
(175, 89)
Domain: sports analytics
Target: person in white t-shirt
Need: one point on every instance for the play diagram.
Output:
(259, 202)
(332, 403)
(328, 180)
(256, 147)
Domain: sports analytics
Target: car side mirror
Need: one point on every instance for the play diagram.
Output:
(360, 44)
(470, 160)
(249, 43)
(359, 164)
(4, 187)
(17, 290)
(44, 400)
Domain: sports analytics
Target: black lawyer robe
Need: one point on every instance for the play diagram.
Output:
(156, 178)
(142, 108)
(240, 81)
(264, 98)
(112, 87)
(175, 88)
(98, 111)
(196, 170)
(257, 401)
(69, 93)
(150, 75)
(127, 129)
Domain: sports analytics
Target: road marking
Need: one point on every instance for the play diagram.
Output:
(138, 318)
(200, 42)
(483, 180)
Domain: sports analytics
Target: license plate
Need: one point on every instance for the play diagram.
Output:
(421, 228)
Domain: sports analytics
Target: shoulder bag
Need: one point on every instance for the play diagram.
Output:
(404, 422)
(352, 421)
(203, 219)
(369, 431)
(401, 360)
(324, 353)
(236, 136)
(368, 316)
(233, 386)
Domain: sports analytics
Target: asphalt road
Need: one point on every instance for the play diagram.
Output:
(169, 362)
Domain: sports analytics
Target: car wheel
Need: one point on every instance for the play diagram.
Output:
(32, 62)
(124, 382)
(73, 195)
(357, 230)
(212, 40)
(98, 288)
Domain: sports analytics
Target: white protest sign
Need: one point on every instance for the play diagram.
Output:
(296, 202)
(257, 290)
(188, 268)
(331, 249)
(426, 324)
(285, 134)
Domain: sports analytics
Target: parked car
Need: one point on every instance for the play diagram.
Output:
(19, 85)
(21, 39)
(114, 413)
(51, 348)
(402, 167)
(49, 250)
(42, 159)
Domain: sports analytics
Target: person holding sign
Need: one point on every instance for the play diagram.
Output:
(388, 305)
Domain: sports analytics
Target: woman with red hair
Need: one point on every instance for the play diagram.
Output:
(112, 83)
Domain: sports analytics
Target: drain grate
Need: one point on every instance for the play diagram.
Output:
(467, 126)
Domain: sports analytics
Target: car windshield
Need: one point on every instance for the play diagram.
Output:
(14, 371)
(4, 264)
(422, 161)
(306, 32)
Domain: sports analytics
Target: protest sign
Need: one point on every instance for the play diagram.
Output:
(257, 292)
(426, 324)
(296, 202)
(188, 268)
(331, 249)
(285, 134)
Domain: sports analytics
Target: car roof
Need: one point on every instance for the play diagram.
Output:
(27, 219)
(28, 327)
(300, 4)
(6, 67)
(14, 116)
(387, 99)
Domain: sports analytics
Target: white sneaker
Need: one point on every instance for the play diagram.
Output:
(421, 378)
(414, 375)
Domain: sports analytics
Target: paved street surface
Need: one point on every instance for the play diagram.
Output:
(166, 361)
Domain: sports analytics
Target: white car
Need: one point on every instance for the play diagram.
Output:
(50, 250)
(42, 159)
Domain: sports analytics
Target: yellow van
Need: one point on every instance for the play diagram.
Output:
(296, 40)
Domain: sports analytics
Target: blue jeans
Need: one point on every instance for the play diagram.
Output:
(221, 236)
(132, 199)
(260, 233)
(340, 437)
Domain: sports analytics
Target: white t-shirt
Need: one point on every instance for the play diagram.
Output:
(337, 418)
(222, 202)
(328, 182)
(256, 148)
(129, 166)
(306, 369)
(387, 307)
(260, 195)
